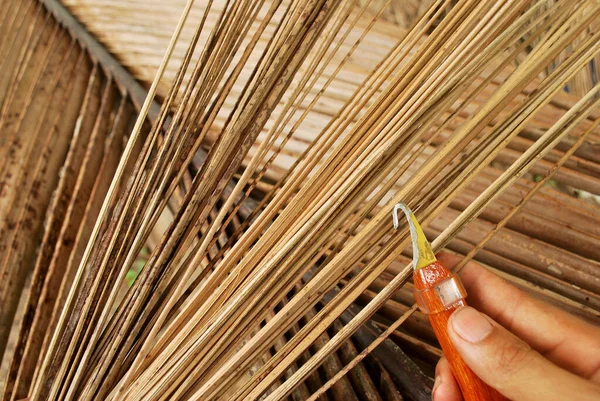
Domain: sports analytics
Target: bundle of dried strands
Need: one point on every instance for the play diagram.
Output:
(258, 194)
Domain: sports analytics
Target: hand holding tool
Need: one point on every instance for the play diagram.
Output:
(438, 294)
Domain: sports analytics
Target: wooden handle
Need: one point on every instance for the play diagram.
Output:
(429, 284)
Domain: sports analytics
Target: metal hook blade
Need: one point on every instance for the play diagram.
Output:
(422, 253)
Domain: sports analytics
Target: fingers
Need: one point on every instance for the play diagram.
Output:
(509, 365)
(560, 337)
(445, 387)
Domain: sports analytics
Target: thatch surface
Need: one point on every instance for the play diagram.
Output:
(138, 36)
(127, 28)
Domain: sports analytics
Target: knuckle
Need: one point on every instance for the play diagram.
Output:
(438, 368)
(513, 357)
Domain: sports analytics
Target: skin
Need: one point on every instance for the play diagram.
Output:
(522, 347)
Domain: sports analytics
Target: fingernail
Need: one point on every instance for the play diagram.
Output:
(471, 325)
(436, 384)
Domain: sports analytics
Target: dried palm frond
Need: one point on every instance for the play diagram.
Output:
(262, 187)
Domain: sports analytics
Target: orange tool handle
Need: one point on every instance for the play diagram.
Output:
(439, 293)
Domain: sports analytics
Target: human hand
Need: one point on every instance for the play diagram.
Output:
(522, 347)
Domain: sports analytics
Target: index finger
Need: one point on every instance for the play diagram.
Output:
(567, 341)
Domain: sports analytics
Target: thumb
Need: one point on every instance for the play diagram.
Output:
(509, 365)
